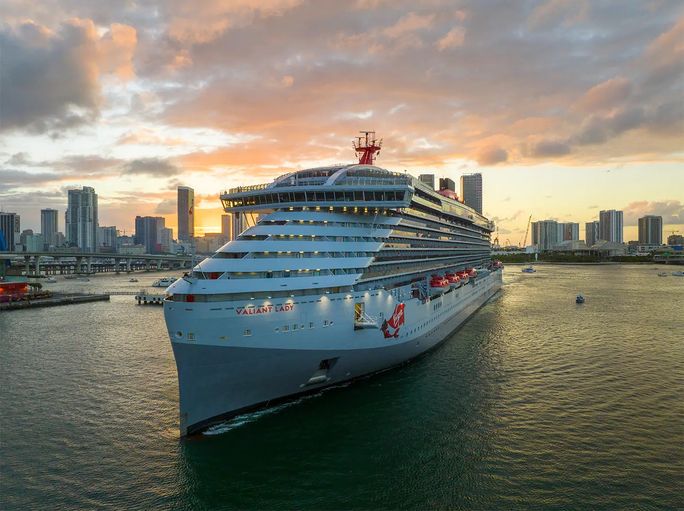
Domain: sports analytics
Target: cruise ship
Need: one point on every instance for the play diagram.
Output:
(338, 272)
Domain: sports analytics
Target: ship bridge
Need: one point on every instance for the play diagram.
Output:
(358, 186)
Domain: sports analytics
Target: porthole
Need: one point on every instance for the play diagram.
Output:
(179, 334)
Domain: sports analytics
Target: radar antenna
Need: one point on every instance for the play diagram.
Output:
(366, 146)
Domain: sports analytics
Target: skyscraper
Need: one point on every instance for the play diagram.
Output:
(591, 233)
(651, 230)
(570, 231)
(9, 231)
(226, 225)
(428, 179)
(81, 219)
(106, 238)
(148, 232)
(545, 234)
(471, 191)
(48, 226)
(610, 225)
(186, 213)
(447, 184)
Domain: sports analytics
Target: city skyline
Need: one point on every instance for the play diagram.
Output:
(136, 106)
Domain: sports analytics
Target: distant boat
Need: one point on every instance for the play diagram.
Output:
(579, 299)
(133, 280)
(529, 269)
(678, 273)
(50, 280)
(83, 279)
(164, 282)
(662, 274)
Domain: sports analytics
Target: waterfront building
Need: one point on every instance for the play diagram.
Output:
(428, 179)
(186, 213)
(106, 239)
(471, 191)
(545, 234)
(148, 232)
(81, 219)
(591, 233)
(447, 184)
(651, 230)
(9, 231)
(610, 226)
(166, 239)
(675, 239)
(570, 231)
(34, 242)
(226, 226)
(49, 226)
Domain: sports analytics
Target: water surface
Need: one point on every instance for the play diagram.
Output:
(536, 403)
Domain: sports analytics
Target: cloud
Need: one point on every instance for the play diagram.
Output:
(550, 148)
(672, 211)
(166, 207)
(605, 95)
(151, 167)
(50, 79)
(491, 155)
(453, 39)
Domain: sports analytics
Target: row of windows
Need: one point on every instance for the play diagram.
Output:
(315, 196)
(214, 275)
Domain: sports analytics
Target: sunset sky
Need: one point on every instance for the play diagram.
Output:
(566, 107)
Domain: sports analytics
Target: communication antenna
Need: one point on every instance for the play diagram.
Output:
(366, 146)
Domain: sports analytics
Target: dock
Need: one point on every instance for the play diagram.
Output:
(144, 297)
(54, 300)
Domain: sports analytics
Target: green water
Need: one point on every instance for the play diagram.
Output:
(536, 403)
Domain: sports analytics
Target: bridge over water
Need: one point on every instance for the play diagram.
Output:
(54, 263)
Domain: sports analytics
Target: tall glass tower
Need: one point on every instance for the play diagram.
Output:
(186, 213)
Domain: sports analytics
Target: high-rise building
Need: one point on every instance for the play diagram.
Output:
(610, 225)
(570, 231)
(186, 213)
(148, 232)
(651, 230)
(226, 225)
(81, 219)
(428, 179)
(49, 226)
(106, 238)
(166, 239)
(591, 233)
(471, 191)
(34, 243)
(447, 184)
(9, 231)
(545, 234)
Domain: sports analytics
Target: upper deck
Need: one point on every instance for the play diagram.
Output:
(357, 186)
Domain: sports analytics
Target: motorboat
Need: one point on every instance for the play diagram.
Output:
(133, 280)
(579, 299)
(50, 280)
(662, 274)
(164, 282)
(529, 269)
(678, 273)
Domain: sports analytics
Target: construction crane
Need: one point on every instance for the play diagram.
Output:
(527, 231)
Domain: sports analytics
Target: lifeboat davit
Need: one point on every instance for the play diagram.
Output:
(463, 275)
(439, 282)
(472, 273)
(453, 279)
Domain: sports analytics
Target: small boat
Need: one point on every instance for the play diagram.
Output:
(164, 282)
(529, 269)
(50, 280)
(579, 299)
(83, 279)
(133, 280)
(662, 274)
(678, 273)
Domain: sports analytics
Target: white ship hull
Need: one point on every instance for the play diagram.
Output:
(233, 357)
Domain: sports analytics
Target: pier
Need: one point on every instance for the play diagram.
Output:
(54, 300)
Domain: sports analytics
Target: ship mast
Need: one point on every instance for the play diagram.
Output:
(366, 146)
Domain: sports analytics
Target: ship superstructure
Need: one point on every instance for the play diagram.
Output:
(348, 270)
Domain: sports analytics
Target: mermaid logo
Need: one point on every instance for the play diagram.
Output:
(390, 329)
